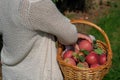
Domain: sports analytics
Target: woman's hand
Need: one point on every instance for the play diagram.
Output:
(84, 36)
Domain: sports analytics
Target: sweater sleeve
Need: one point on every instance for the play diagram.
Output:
(0, 24)
(44, 16)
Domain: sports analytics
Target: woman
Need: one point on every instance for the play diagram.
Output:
(28, 28)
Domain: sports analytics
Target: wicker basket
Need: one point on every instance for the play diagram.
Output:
(75, 73)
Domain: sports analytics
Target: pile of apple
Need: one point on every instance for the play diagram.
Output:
(90, 55)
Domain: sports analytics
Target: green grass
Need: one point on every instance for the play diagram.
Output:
(111, 25)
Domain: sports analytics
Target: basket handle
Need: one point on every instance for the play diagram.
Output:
(99, 29)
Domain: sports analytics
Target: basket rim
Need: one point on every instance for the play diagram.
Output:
(81, 21)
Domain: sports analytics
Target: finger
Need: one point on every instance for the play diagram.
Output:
(76, 48)
(89, 39)
(84, 36)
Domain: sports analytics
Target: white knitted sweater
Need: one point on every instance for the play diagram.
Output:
(28, 28)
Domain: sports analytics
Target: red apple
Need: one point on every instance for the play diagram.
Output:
(70, 61)
(92, 58)
(94, 65)
(68, 54)
(102, 59)
(85, 45)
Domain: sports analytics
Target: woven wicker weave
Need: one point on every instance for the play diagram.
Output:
(75, 73)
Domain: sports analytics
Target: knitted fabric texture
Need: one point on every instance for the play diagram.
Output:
(28, 28)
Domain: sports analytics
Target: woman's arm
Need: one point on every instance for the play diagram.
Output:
(44, 16)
